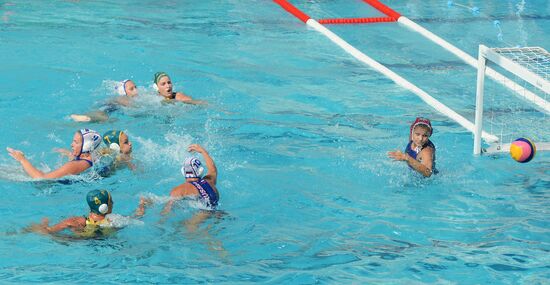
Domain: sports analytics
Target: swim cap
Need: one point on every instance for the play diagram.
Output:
(192, 168)
(121, 87)
(158, 76)
(112, 139)
(421, 121)
(98, 200)
(90, 140)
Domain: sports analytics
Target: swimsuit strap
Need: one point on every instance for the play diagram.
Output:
(414, 153)
(430, 144)
(91, 222)
(410, 151)
(95, 223)
(87, 160)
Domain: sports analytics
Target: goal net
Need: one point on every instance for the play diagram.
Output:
(499, 111)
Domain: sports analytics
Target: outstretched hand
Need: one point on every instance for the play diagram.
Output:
(196, 147)
(143, 203)
(16, 154)
(41, 228)
(397, 155)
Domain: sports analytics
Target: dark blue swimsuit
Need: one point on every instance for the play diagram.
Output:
(109, 108)
(206, 193)
(412, 153)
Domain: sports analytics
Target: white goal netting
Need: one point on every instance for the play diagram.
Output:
(534, 59)
(498, 109)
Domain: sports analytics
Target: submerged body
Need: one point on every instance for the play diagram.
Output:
(100, 222)
(126, 89)
(163, 84)
(92, 225)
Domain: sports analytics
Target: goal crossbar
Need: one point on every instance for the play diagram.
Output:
(533, 73)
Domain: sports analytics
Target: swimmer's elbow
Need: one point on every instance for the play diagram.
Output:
(51, 175)
(427, 173)
(38, 175)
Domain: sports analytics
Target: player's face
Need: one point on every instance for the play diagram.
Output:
(420, 135)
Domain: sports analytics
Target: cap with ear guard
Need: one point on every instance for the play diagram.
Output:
(112, 139)
(192, 168)
(157, 78)
(90, 140)
(421, 121)
(98, 201)
(120, 87)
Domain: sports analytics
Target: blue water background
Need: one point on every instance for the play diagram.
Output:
(299, 131)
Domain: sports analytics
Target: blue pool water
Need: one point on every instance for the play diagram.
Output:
(299, 131)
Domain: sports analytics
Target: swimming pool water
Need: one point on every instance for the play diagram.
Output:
(299, 131)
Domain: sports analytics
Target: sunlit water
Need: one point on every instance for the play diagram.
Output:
(299, 131)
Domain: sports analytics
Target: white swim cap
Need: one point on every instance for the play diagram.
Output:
(192, 168)
(120, 87)
(90, 140)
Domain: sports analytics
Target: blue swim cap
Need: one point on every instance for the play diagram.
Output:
(98, 200)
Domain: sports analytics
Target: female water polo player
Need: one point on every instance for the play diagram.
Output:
(163, 84)
(85, 142)
(119, 145)
(94, 224)
(420, 152)
(196, 184)
(126, 89)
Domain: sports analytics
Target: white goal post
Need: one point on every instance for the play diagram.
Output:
(530, 64)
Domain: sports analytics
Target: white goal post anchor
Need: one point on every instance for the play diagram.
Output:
(509, 65)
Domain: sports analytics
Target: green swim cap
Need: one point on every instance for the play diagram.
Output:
(111, 137)
(158, 76)
(98, 200)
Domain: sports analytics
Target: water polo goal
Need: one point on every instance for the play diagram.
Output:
(393, 16)
(530, 65)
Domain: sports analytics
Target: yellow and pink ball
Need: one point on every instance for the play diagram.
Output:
(523, 150)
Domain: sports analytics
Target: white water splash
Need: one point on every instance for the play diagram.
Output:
(173, 150)
(120, 221)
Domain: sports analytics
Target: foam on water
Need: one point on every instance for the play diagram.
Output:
(120, 221)
(299, 131)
